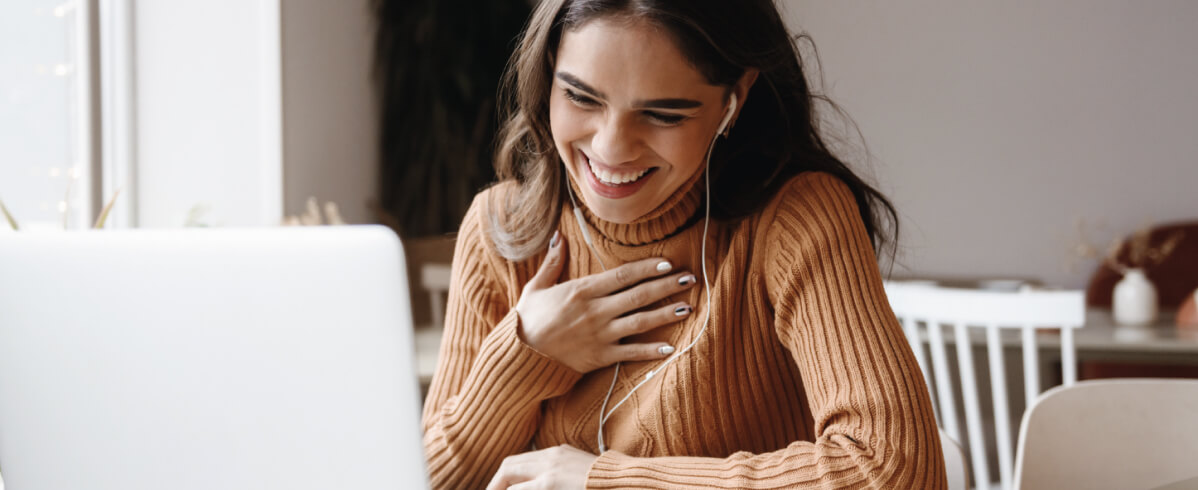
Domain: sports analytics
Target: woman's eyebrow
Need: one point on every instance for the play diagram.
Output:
(644, 104)
(668, 104)
(579, 84)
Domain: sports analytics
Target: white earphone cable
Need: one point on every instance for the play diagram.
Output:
(604, 414)
(582, 225)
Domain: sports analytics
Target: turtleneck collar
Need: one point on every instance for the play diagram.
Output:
(674, 214)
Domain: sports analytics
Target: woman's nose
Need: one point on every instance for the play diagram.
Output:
(616, 141)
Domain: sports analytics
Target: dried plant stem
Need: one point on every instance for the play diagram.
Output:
(11, 222)
(1140, 254)
(107, 208)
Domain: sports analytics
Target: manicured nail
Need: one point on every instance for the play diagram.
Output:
(665, 350)
(682, 311)
(686, 280)
(553, 241)
(664, 266)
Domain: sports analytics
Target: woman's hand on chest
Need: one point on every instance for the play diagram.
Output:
(580, 322)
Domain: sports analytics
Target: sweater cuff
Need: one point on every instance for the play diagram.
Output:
(524, 372)
(614, 469)
(606, 467)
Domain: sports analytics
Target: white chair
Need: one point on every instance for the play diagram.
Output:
(1120, 433)
(967, 310)
(434, 278)
(954, 463)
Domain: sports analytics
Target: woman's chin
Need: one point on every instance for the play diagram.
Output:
(624, 210)
(621, 211)
(615, 214)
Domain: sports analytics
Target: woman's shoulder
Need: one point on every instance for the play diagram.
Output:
(809, 196)
(474, 233)
(813, 219)
(490, 197)
(488, 201)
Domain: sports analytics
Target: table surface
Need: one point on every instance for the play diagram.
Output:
(1102, 334)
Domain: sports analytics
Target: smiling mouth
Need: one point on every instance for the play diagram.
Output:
(616, 179)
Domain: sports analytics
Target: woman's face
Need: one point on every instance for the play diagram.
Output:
(630, 117)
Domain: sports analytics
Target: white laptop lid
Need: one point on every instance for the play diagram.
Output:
(205, 359)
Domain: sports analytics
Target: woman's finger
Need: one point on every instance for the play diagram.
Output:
(645, 321)
(511, 473)
(552, 266)
(640, 352)
(646, 293)
(625, 276)
(523, 467)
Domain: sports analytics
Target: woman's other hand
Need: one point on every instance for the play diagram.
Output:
(580, 322)
(561, 467)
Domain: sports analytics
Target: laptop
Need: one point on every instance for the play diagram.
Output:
(207, 359)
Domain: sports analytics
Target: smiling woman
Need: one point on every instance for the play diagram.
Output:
(649, 144)
(630, 116)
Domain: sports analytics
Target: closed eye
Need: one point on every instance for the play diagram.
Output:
(579, 99)
(667, 119)
(658, 117)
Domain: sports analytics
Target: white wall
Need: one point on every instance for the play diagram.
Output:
(247, 108)
(207, 112)
(330, 133)
(994, 126)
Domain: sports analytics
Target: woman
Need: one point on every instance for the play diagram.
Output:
(605, 331)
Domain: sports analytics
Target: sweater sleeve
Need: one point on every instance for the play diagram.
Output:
(874, 426)
(484, 402)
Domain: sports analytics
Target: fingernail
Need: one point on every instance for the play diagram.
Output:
(553, 241)
(665, 350)
(664, 266)
(686, 280)
(682, 311)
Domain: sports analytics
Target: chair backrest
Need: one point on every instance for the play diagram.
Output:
(434, 278)
(954, 463)
(1119, 433)
(965, 311)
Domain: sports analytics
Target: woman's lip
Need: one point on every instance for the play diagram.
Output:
(623, 170)
(608, 191)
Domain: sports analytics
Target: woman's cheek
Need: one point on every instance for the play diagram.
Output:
(684, 148)
(566, 122)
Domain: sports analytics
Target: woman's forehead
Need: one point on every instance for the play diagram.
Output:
(628, 60)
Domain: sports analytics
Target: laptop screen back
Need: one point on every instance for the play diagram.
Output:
(201, 359)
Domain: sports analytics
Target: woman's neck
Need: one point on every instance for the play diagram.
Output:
(673, 215)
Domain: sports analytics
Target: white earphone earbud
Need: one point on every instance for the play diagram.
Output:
(727, 117)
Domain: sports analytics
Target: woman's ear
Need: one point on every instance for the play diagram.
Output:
(741, 89)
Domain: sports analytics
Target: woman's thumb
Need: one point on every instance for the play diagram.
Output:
(551, 267)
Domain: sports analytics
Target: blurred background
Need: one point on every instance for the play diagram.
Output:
(1015, 139)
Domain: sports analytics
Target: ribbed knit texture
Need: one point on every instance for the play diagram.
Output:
(802, 380)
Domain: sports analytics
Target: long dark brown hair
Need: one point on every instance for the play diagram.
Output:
(776, 136)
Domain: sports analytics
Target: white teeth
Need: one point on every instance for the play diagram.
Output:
(610, 178)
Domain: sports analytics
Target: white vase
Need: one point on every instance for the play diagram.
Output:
(1135, 299)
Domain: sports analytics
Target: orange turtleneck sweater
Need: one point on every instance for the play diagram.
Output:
(802, 380)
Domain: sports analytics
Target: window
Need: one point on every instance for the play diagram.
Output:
(46, 142)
